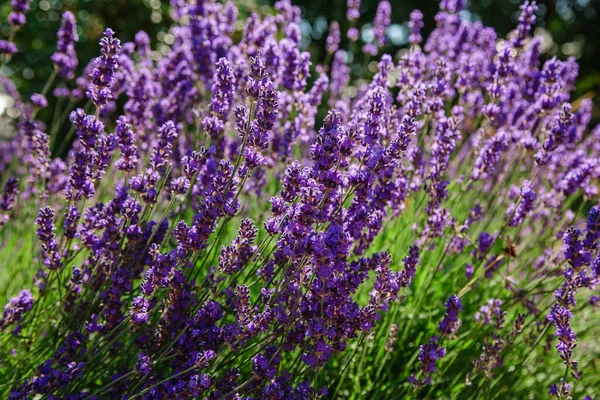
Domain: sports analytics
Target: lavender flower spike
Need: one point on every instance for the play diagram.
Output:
(65, 57)
(105, 67)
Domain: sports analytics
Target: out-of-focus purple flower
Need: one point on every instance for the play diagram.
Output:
(333, 39)
(296, 66)
(415, 24)
(561, 390)
(8, 48)
(142, 42)
(450, 323)
(65, 57)
(353, 34)
(383, 19)
(453, 6)
(39, 100)
(17, 16)
(487, 312)
(469, 270)
(9, 195)
(489, 157)
(353, 12)
(517, 213)
(143, 365)
(16, 307)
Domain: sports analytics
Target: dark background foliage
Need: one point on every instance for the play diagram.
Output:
(572, 28)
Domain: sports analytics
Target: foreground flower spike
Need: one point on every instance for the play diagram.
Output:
(65, 57)
(103, 72)
(567, 339)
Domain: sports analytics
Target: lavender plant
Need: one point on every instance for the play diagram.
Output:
(436, 235)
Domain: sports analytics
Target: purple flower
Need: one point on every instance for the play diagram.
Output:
(65, 57)
(450, 324)
(143, 365)
(105, 67)
(222, 89)
(353, 12)
(127, 144)
(429, 354)
(235, 256)
(16, 307)
(488, 311)
(80, 178)
(163, 149)
(410, 263)
(453, 6)
(39, 100)
(567, 340)
(561, 390)
(45, 233)
(70, 222)
(7, 48)
(333, 39)
(526, 22)
(88, 129)
(415, 24)
(518, 212)
(381, 22)
(7, 201)
(17, 16)
(490, 155)
(139, 311)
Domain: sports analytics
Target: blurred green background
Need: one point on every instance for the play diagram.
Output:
(570, 28)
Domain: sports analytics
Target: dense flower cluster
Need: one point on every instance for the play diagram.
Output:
(205, 235)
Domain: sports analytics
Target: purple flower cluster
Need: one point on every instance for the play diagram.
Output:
(16, 308)
(104, 69)
(236, 247)
(17, 16)
(65, 57)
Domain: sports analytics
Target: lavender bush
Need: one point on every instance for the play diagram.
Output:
(209, 235)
